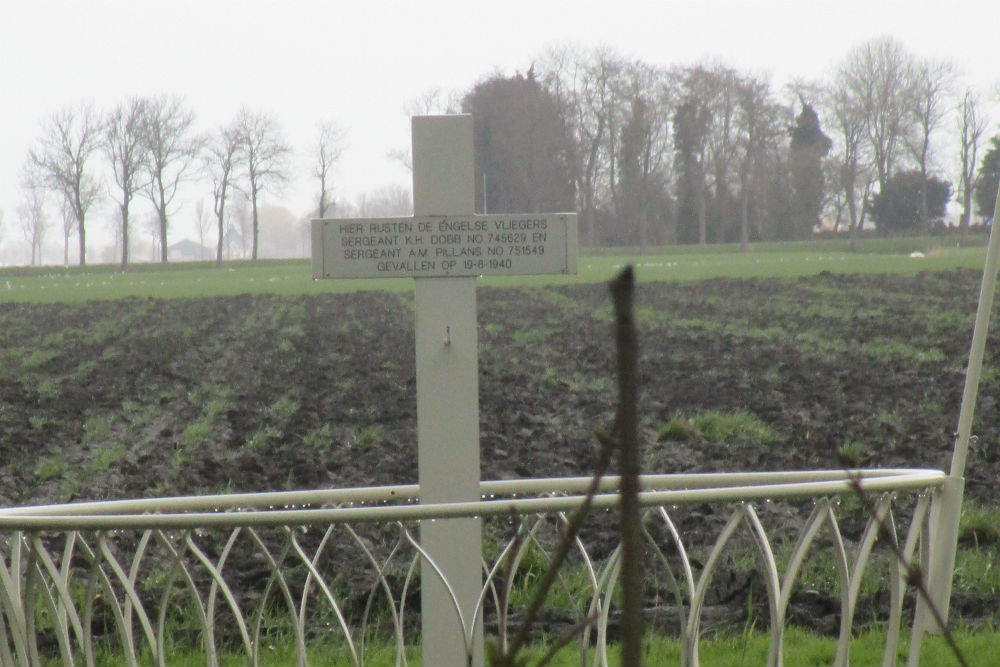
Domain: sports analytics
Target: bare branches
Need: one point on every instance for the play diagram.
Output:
(267, 157)
(69, 139)
(329, 148)
(172, 151)
(972, 126)
(31, 213)
(223, 159)
(124, 145)
(623, 439)
(914, 573)
(878, 77)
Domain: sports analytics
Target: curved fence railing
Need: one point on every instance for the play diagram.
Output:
(148, 581)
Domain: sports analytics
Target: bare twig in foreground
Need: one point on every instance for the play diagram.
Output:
(622, 288)
(914, 574)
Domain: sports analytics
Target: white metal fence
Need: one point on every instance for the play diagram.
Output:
(141, 580)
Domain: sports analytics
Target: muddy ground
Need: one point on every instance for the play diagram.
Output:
(146, 397)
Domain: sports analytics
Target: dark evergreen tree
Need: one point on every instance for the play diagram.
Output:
(691, 122)
(809, 145)
(898, 207)
(522, 150)
(644, 207)
(989, 180)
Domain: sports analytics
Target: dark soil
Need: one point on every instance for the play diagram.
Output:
(146, 397)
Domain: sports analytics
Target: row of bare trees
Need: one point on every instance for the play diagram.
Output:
(708, 153)
(150, 148)
(646, 154)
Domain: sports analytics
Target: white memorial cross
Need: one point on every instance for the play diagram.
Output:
(444, 246)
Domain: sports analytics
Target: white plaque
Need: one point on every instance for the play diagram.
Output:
(439, 246)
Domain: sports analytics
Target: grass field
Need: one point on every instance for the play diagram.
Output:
(674, 263)
(802, 649)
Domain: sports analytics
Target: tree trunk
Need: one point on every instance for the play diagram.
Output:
(744, 220)
(163, 235)
(702, 216)
(963, 222)
(924, 215)
(124, 211)
(83, 244)
(852, 209)
(81, 227)
(253, 248)
(222, 232)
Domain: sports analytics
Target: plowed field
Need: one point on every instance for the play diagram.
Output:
(146, 397)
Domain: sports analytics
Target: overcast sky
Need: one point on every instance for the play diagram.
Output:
(358, 63)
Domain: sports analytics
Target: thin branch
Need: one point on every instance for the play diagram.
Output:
(622, 288)
(914, 574)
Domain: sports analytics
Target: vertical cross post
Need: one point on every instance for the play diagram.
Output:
(447, 398)
(444, 246)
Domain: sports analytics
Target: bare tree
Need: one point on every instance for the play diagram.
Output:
(204, 223)
(387, 201)
(266, 160)
(239, 224)
(223, 160)
(724, 157)
(972, 127)
(879, 76)
(429, 102)
(930, 88)
(432, 101)
(329, 148)
(31, 212)
(124, 144)
(68, 227)
(151, 224)
(644, 170)
(172, 151)
(69, 138)
(692, 123)
(585, 83)
(759, 121)
(851, 150)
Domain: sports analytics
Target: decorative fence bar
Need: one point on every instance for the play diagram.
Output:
(234, 574)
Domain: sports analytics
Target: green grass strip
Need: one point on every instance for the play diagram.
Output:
(802, 648)
(293, 277)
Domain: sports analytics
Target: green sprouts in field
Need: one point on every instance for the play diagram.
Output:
(318, 438)
(719, 426)
(105, 457)
(979, 525)
(97, 429)
(850, 454)
(52, 466)
(282, 409)
(366, 436)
